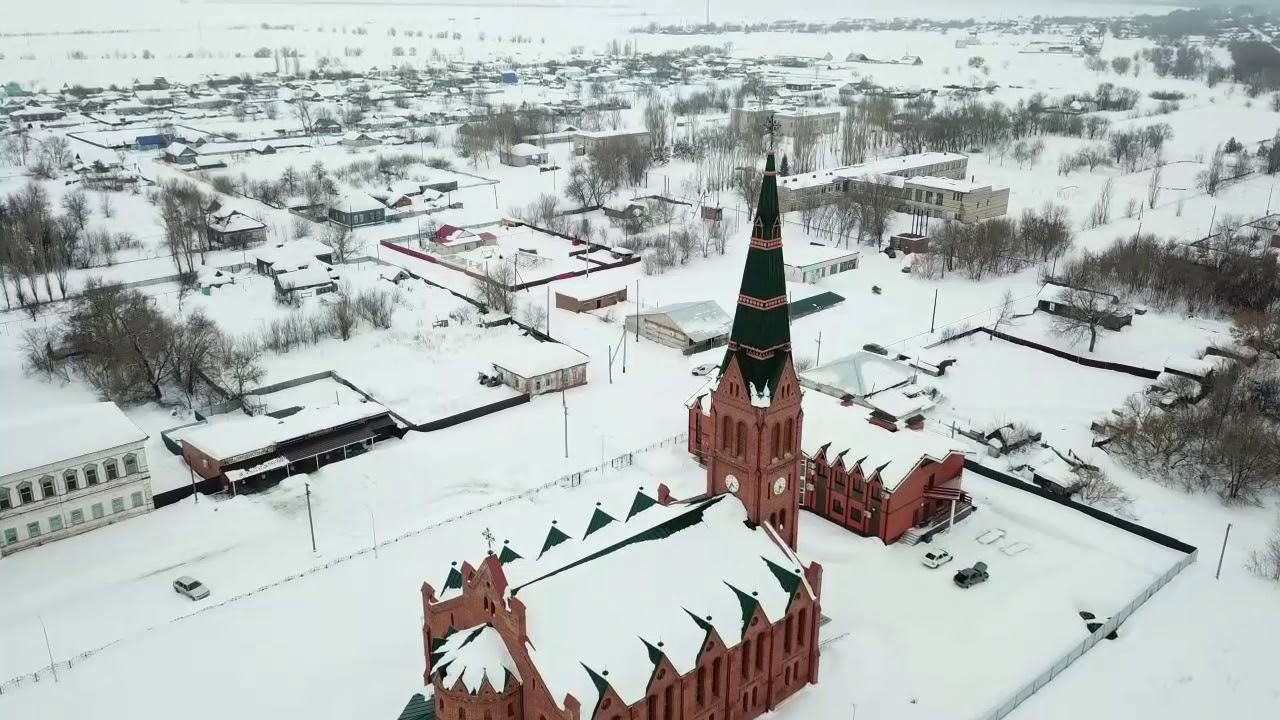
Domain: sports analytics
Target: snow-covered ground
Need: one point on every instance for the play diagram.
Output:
(910, 644)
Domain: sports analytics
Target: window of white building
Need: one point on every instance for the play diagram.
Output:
(55, 523)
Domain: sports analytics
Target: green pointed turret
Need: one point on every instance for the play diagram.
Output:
(599, 519)
(761, 336)
(555, 536)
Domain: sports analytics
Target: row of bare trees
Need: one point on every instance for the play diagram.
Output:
(998, 246)
(860, 214)
(119, 342)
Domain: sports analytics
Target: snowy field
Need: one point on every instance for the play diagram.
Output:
(909, 644)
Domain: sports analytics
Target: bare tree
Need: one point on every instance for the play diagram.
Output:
(342, 313)
(535, 316)
(377, 306)
(746, 185)
(76, 205)
(657, 120)
(875, 199)
(1005, 312)
(493, 287)
(591, 185)
(1100, 213)
(302, 111)
(237, 367)
(1265, 561)
(1153, 183)
(344, 243)
(1082, 312)
(106, 206)
(1210, 179)
(56, 150)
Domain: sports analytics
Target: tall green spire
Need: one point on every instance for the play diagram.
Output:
(761, 336)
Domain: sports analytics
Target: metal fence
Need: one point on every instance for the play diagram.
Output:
(572, 480)
(1023, 693)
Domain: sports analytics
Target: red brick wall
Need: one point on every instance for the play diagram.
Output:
(900, 513)
(203, 465)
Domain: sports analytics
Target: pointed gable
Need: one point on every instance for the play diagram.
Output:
(507, 555)
(555, 536)
(599, 519)
(641, 503)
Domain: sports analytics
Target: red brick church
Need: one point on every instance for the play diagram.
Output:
(656, 609)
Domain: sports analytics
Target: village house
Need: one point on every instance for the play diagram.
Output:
(67, 471)
(590, 292)
(356, 209)
(233, 229)
(180, 154)
(242, 452)
(359, 140)
(326, 126)
(282, 257)
(1112, 314)
(688, 326)
(540, 367)
(36, 114)
(522, 154)
(810, 263)
(451, 240)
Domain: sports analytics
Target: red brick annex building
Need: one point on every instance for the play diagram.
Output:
(663, 609)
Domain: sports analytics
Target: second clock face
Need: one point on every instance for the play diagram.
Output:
(732, 483)
(779, 486)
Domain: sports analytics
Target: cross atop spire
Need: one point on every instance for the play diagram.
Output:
(761, 336)
(771, 128)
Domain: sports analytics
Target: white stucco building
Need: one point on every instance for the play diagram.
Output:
(69, 470)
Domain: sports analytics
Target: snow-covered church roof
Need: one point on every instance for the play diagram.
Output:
(609, 596)
(473, 656)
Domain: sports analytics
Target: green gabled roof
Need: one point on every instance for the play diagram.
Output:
(599, 519)
(707, 628)
(418, 708)
(507, 555)
(454, 580)
(788, 579)
(665, 529)
(749, 605)
(641, 503)
(814, 303)
(555, 536)
(601, 686)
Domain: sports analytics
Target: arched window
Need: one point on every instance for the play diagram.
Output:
(803, 629)
(726, 434)
(90, 475)
(742, 439)
(776, 445)
(71, 480)
(47, 487)
(113, 471)
(789, 437)
(131, 464)
(25, 495)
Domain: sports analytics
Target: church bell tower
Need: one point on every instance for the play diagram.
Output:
(755, 408)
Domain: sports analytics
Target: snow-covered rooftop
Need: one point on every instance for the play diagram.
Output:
(526, 150)
(235, 221)
(803, 255)
(860, 374)
(948, 184)
(313, 275)
(356, 202)
(236, 435)
(534, 359)
(33, 440)
(670, 571)
(472, 656)
(699, 320)
(292, 255)
(589, 287)
(894, 454)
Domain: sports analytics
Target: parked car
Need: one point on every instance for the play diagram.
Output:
(936, 558)
(969, 577)
(705, 369)
(190, 587)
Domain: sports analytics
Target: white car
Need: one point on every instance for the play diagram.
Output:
(704, 370)
(190, 587)
(936, 558)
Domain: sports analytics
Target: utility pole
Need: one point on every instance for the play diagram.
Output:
(548, 309)
(53, 667)
(194, 494)
(933, 321)
(818, 360)
(637, 311)
(310, 522)
(1223, 553)
(565, 404)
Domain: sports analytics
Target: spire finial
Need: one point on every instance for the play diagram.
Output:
(771, 128)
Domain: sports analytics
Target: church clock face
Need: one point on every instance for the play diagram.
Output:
(732, 483)
(779, 486)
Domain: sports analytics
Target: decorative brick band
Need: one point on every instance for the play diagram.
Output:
(763, 244)
(762, 304)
